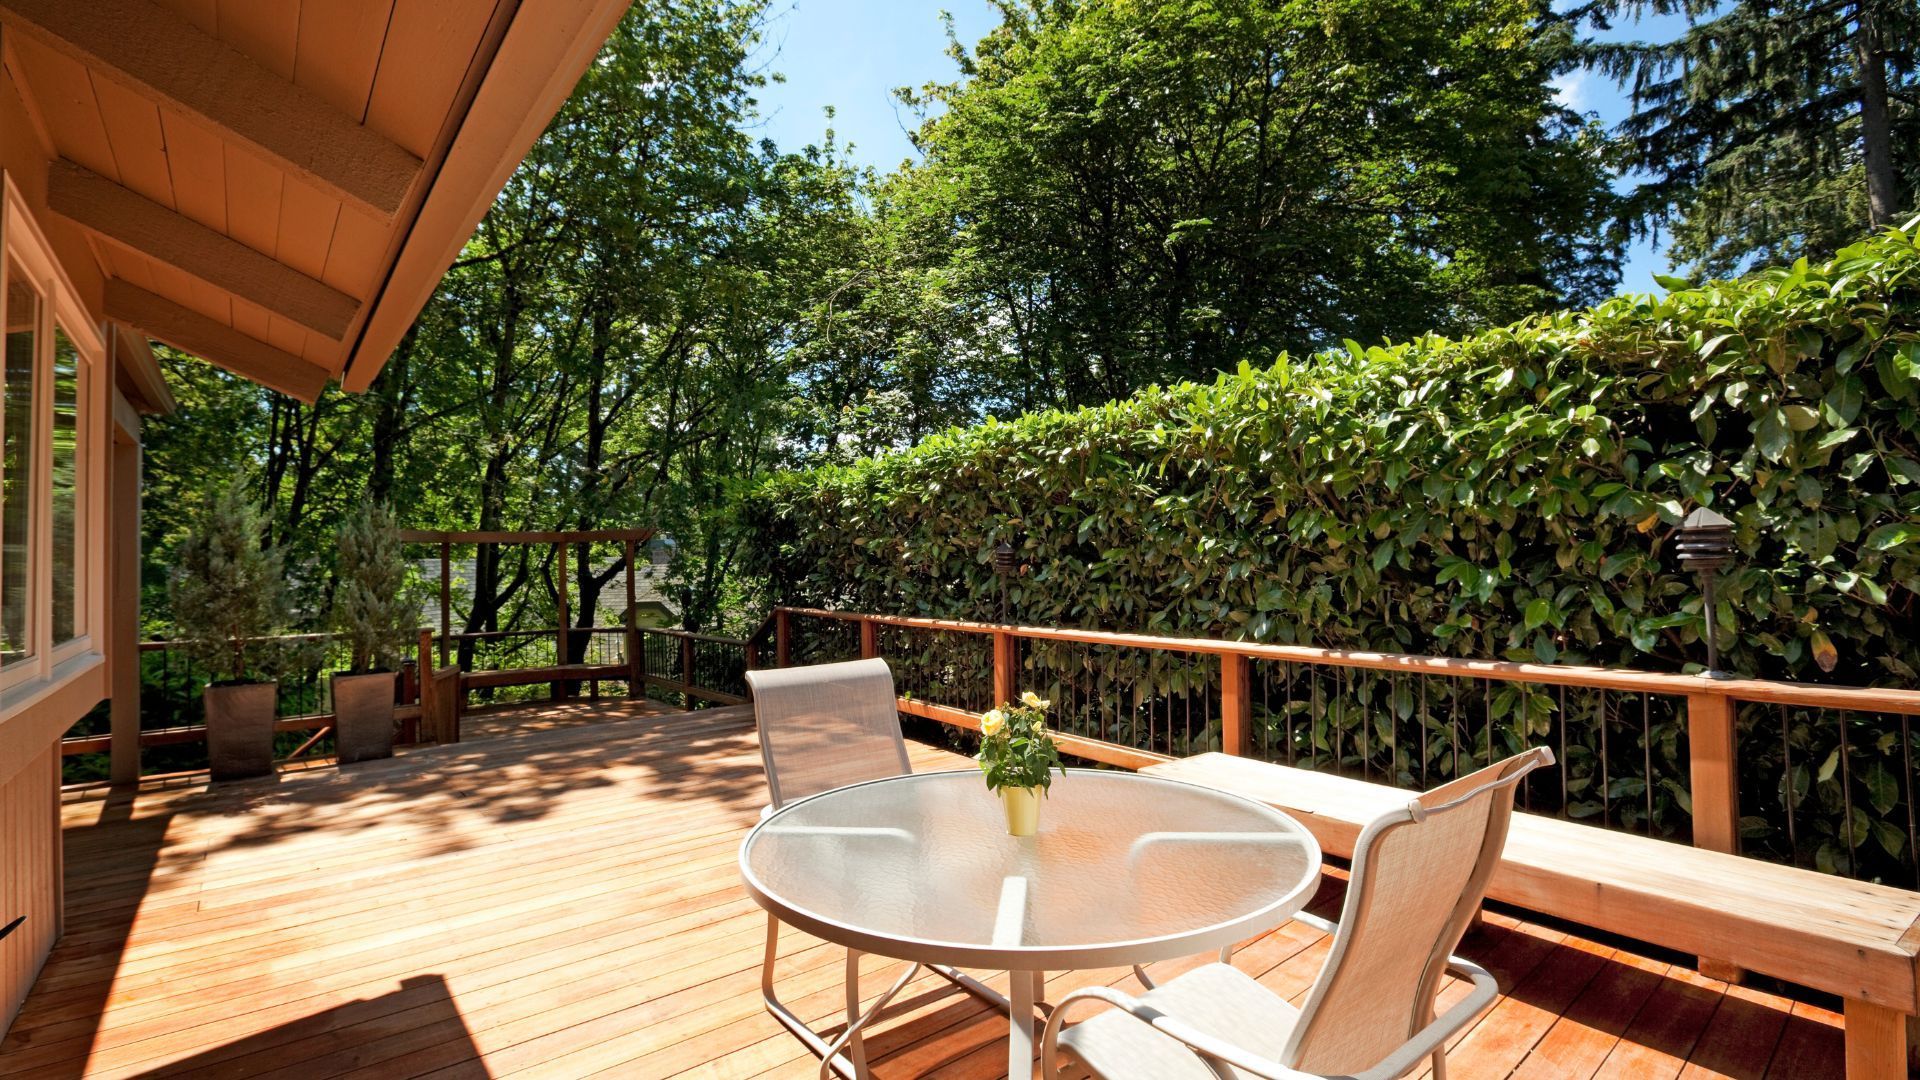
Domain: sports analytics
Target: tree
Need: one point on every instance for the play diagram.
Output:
(1142, 191)
(1772, 129)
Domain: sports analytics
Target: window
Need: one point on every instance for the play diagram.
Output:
(66, 461)
(52, 405)
(16, 467)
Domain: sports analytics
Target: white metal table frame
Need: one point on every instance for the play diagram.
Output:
(1026, 965)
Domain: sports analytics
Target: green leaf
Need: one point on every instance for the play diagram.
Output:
(1538, 612)
(1771, 436)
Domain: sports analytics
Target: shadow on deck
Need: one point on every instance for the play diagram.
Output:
(566, 902)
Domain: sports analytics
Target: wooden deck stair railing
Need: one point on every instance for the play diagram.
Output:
(1857, 940)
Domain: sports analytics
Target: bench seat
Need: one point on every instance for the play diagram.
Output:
(1854, 939)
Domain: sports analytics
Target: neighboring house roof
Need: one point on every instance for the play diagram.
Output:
(648, 582)
(279, 189)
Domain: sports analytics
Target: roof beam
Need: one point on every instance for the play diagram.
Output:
(130, 219)
(163, 56)
(248, 357)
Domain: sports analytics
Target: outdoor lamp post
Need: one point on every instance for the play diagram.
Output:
(1705, 545)
(1006, 563)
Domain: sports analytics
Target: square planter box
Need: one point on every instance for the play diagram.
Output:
(363, 716)
(240, 729)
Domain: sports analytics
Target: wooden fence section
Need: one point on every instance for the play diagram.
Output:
(1656, 752)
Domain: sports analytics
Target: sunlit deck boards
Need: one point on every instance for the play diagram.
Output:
(566, 903)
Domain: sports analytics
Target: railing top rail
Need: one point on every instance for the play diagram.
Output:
(693, 635)
(161, 644)
(1813, 695)
(570, 536)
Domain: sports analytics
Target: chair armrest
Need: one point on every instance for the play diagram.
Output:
(1210, 1050)
(1435, 1035)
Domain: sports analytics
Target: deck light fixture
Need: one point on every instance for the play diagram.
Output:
(1704, 544)
(1006, 565)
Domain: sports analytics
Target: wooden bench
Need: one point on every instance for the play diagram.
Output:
(1850, 938)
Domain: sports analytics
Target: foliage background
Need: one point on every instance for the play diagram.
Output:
(1507, 494)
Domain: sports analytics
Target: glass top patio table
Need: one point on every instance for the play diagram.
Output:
(1126, 869)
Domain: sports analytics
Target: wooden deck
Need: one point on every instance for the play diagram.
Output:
(565, 902)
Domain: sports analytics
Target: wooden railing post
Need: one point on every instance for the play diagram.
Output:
(686, 668)
(782, 639)
(1236, 707)
(446, 606)
(636, 662)
(1006, 667)
(429, 706)
(560, 689)
(1715, 790)
(869, 639)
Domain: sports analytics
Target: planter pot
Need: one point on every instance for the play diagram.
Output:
(1023, 810)
(363, 716)
(240, 729)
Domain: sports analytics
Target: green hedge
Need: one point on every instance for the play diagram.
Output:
(1511, 494)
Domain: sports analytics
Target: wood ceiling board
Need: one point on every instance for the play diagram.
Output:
(429, 49)
(285, 335)
(16, 75)
(266, 30)
(250, 319)
(171, 61)
(327, 353)
(307, 217)
(109, 210)
(179, 288)
(215, 342)
(216, 304)
(139, 144)
(547, 47)
(354, 255)
(340, 44)
(62, 94)
(253, 201)
(197, 160)
(121, 263)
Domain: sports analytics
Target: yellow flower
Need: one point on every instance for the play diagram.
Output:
(992, 722)
(1034, 701)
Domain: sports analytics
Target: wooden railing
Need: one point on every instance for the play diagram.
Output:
(1667, 754)
(172, 713)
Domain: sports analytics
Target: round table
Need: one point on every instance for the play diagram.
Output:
(1126, 869)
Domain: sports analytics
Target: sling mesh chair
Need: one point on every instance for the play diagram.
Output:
(821, 727)
(1418, 876)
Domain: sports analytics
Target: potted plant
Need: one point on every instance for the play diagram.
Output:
(1018, 756)
(228, 596)
(374, 613)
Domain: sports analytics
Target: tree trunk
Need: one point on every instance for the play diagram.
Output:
(389, 419)
(1875, 136)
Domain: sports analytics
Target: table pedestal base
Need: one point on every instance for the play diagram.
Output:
(847, 1054)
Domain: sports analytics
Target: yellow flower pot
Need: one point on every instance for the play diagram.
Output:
(1023, 810)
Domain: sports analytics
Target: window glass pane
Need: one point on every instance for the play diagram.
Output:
(16, 467)
(66, 491)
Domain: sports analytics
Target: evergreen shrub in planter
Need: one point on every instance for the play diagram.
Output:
(227, 593)
(374, 612)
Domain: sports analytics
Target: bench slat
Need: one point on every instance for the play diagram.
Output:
(1851, 938)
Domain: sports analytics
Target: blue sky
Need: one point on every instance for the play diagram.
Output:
(851, 54)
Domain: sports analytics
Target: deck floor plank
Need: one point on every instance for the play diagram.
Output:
(558, 897)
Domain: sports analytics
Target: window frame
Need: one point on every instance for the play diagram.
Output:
(23, 243)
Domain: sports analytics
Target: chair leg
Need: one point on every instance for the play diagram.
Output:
(1440, 1064)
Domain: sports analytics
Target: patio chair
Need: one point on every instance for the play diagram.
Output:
(826, 726)
(821, 727)
(1418, 876)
